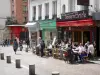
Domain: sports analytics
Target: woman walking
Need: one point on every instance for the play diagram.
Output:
(15, 45)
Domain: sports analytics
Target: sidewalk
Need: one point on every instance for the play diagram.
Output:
(9, 69)
(45, 66)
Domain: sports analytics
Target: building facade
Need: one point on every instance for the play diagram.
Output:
(74, 18)
(4, 13)
(44, 13)
(19, 10)
(78, 28)
(19, 16)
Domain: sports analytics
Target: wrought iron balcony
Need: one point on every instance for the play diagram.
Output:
(47, 17)
(54, 16)
(39, 17)
(34, 18)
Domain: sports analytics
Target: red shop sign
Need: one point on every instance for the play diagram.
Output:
(87, 22)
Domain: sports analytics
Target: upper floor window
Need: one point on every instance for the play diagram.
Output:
(63, 9)
(24, 0)
(34, 12)
(12, 12)
(25, 19)
(54, 7)
(12, 0)
(25, 9)
(72, 5)
(40, 10)
(47, 9)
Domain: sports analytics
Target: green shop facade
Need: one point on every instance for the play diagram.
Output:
(48, 30)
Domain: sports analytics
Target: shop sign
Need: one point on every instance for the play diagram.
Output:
(77, 15)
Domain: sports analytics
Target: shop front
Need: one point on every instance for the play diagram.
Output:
(73, 27)
(33, 28)
(18, 31)
(48, 30)
(96, 18)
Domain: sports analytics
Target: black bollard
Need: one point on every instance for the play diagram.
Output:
(55, 73)
(2, 56)
(26, 49)
(18, 63)
(8, 59)
(31, 69)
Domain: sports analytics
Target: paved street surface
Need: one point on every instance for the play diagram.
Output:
(44, 66)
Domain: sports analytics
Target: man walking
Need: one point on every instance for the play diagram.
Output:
(28, 43)
(15, 45)
(42, 48)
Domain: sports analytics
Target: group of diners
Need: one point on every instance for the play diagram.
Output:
(75, 52)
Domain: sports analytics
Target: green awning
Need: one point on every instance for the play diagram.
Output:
(47, 24)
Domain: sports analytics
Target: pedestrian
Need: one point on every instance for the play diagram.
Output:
(86, 45)
(21, 45)
(8, 42)
(15, 45)
(75, 50)
(70, 54)
(3, 43)
(82, 52)
(90, 51)
(95, 50)
(42, 48)
(28, 43)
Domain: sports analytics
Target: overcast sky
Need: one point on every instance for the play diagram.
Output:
(4, 10)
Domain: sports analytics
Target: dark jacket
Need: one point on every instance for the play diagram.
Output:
(20, 43)
(15, 45)
(42, 44)
(27, 42)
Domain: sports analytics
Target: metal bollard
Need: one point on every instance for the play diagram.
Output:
(26, 49)
(2, 56)
(18, 63)
(55, 73)
(31, 69)
(8, 59)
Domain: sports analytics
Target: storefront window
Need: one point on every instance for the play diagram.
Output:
(86, 36)
(67, 35)
(77, 36)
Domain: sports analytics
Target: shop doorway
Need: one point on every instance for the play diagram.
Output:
(41, 34)
(77, 37)
(86, 36)
(67, 35)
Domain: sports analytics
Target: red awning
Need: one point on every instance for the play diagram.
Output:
(86, 22)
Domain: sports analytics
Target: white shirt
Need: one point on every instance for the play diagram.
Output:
(76, 50)
(66, 45)
(50, 46)
(91, 49)
(81, 49)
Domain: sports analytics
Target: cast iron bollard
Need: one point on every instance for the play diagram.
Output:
(55, 73)
(26, 49)
(2, 56)
(31, 69)
(18, 63)
(8, 59)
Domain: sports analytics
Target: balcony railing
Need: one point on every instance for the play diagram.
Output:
(54, 16)
(10, 21)
(47, 17)
(39, 17)
(34, 18)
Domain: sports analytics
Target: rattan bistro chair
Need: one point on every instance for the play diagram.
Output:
(46, 52)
